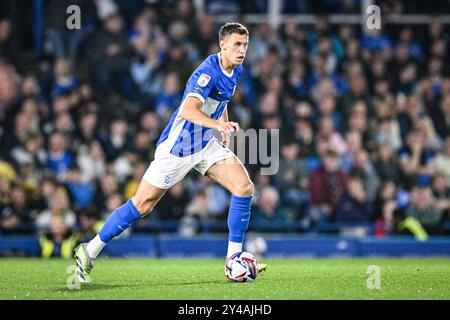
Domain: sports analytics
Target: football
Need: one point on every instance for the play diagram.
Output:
(241, 267)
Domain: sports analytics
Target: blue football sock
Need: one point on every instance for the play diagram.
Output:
(119, 220)
(239, 217)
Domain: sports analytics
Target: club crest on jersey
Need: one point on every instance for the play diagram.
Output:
(203, 80)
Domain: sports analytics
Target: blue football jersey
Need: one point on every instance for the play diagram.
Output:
(214, 87)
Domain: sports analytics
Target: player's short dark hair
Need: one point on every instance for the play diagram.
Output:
(230, 28)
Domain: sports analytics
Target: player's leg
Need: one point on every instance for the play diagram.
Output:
(225, 168)
(142, 203)
(232, 175)
(164, 171)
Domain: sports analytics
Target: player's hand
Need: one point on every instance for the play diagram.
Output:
(227, 128)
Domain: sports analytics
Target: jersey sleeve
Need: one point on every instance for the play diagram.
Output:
(200, 83)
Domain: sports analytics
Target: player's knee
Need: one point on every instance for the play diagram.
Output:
(244, 189)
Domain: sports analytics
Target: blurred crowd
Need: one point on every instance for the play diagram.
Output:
(364, 121)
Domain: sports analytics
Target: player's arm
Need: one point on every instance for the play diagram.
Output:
(192, 112)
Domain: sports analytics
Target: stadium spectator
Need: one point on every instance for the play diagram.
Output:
(15, 216)
(327, 108)
(65, 81)
(268, 215)
(385, 196)
(206, 35)
(415, 158)
(106, 187)
(31, 152)
(108, 54)
(49, 185)
(116, 141)
(442, 162)
(365, 170)
(423, 209)
(59, 210)
(89, 223)
(132, 184)
(354, 206)
(386, 163)
(145, 70)
(216, 197)
(150, 123)
(406, 37)
(91, 161)
(387, 129)
(5, 183)
(169, 97)
(327, 185)
(292, 176)
(304, 135)
(125, 164)
(64, 124)
(196, 211)
(441, 193)
(81, 192)
(328, 136)
(59, 241)
(113, 199)
(172, 205)
(409, 113)
(59, 159)
(177, 62)
(375, 40)
(432, 140)
(8, 45)
(354, 143)
(87, 129)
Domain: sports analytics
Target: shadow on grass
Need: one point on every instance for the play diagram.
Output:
(104, 286)
(190, 283)
(100, 286)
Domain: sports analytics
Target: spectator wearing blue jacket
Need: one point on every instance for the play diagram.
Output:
(59, 159)
(81, 192)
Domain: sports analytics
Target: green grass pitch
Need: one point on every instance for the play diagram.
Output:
(126, 278)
